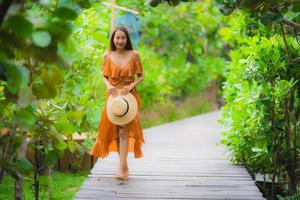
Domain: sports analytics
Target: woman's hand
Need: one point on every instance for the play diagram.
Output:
(127, 89)
(113, 91)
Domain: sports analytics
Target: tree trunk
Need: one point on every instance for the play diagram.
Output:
(275, 139)
(290, 162)
(19, 182)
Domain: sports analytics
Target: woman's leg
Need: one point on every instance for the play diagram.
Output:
(123, 151)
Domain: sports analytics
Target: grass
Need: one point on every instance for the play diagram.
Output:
(175, 110)
(65, 186)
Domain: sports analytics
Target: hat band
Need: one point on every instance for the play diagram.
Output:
(127, 108)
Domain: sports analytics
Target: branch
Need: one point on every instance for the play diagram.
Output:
(4, 6)
(295, 25)
(294, 60)
(285, 43)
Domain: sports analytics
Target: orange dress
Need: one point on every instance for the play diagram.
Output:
(107, 138)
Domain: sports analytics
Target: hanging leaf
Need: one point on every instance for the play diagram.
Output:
(61, 145)
(278, 17)
(24, 166)
(14, 77)
(268, 18)
(52, 76)
(26, 116)
(84, 3)
(155, 3)
(40, 91)
(63, 125)
(41, 38)
(45, 180)
(66, 13)
(51, 158)
(25, 96)
(59, 28)
(19, 25)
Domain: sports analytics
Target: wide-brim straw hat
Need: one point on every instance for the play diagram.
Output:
(121, 109)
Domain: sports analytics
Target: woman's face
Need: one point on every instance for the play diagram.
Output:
(120, 39)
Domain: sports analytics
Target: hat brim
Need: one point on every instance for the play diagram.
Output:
(130, 115)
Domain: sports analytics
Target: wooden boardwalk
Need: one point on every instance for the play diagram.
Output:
(181, 161)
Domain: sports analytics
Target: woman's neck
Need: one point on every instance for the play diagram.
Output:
(120, 51)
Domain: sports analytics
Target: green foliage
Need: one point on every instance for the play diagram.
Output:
(168, 111)
(293, 197)
(24, 166)
(32, 69)
(261, 91)
(190, 52)
(65, 186)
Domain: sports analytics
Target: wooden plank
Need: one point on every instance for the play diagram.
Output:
(182, 160)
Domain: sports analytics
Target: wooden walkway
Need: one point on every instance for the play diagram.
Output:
(181, 161)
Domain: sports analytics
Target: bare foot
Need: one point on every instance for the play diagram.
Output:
(122, 171)
(122, 174)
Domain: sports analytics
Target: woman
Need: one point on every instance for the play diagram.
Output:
(120, 66)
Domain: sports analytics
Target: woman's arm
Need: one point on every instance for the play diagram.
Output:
(106, 72)
(128, 88)
(112, 89)
(137, 81)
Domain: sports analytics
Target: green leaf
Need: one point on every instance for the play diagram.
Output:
(14, 77)
(79, 148)
(20, 26)
(41, 38)
(63, 125)
(11, 170)
(48, 89)
(26, 116)
(25, 96)
(75, 115)
(88, 143)
(3, 105)
(52, 77)
(278, 18)
(61, 145)
(59, 28)
(40, 91)
(25, 76)
(155, 3)
(84, 3)
(45, 180)
(84, 124)
(66, 13)
(24, 166)
(268, 18)
(51, 158)
(71, 146)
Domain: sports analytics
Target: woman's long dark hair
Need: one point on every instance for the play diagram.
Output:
(112, 46)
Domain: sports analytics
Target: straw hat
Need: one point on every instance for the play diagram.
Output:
(121, 109)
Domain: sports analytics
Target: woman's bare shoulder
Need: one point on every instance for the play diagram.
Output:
(105, 54)
(136, 53)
